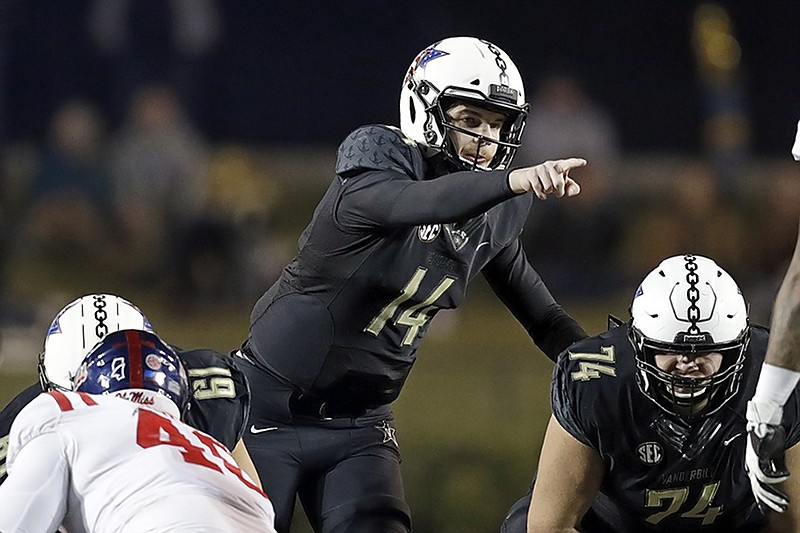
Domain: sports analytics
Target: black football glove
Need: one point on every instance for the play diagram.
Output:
(764, 458)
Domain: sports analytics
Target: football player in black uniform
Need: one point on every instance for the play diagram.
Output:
(411, 216)
(220, 399)
(648, 427)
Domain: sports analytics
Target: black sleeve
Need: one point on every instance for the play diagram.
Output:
(382, 177)
(522, 290)
(566, 401)
(390, 199)
(7, 417)
(220, 403)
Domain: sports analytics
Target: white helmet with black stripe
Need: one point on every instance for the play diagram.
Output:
(77, 328)
(689, 305)
(462, 69)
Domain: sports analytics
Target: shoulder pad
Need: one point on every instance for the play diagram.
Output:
(759, 338)
(614, 322)
(202, 357)
(208, 362)
(600, 359)
(379, 147)
(40, 416)
(10, 411)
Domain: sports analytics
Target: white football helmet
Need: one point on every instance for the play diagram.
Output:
(77, 328)
(688, 304)
(460, 69)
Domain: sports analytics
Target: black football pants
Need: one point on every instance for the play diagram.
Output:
(347, 477)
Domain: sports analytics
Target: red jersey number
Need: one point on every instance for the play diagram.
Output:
(156, 430)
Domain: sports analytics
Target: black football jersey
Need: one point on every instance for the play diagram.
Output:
(219, 406)
(388, 247)
(220, 403)
(7, 416)
(662, 474)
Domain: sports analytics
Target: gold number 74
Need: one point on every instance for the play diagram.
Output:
(677, 497)
(592, 365)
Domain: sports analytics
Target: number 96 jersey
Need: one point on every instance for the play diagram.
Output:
(662, 474)
(220, 402)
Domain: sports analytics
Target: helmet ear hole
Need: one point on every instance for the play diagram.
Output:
(412, 111)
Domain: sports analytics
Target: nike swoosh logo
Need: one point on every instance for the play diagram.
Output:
(481, 244)
(255, 431)
(730, 439)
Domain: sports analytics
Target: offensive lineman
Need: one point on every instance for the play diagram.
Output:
(412, 215)
(648, 424)
(220, 401)
(114, 455)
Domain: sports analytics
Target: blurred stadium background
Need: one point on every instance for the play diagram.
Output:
(172, 151)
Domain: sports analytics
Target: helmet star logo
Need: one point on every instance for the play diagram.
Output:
(388, 432)
(429, 55)
(422, 59)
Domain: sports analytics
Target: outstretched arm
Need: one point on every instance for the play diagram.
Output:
(33, 498)
(779, 376)
(568, 478)
(784, 341)
(392, 199)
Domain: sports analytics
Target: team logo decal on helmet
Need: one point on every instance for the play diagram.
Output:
(421, 60)
(153, 362)
(118, 368)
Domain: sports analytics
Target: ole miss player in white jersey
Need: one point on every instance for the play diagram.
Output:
(114, 455)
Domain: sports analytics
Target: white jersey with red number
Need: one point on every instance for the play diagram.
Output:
(101, 463)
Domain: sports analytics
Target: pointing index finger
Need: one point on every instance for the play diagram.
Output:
(565, 165)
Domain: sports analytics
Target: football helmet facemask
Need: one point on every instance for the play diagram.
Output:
(138, 366)
(689, 305)
(77, 328)
(462, 70)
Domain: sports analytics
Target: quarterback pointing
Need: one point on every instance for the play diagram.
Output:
(412, 215)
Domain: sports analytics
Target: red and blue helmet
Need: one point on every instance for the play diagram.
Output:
(138, 366)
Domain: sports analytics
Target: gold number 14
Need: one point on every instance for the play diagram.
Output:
(413, 316)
